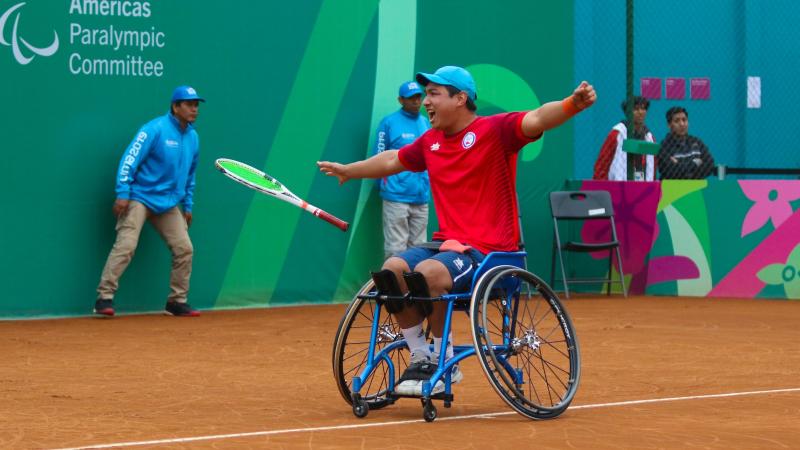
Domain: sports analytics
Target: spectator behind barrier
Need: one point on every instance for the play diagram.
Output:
(683, 156)
(612, 162)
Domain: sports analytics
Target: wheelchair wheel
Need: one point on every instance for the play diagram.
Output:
(351, 348)
(525, 342)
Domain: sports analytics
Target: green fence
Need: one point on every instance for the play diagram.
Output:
(287, 84)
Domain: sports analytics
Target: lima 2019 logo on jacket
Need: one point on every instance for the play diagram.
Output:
(7, 29)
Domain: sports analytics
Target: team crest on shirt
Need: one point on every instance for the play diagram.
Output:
(434, 147)
(468, 141)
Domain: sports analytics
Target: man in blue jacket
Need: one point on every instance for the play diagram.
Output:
(405, 195)
(155, 175)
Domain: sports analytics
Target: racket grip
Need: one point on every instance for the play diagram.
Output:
(333, 220)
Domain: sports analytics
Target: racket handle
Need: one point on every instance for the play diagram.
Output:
(333, 220)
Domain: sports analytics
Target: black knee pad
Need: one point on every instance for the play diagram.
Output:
(386, 283)
(418, 287)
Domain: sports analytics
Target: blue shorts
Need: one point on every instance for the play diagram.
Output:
(461, 266)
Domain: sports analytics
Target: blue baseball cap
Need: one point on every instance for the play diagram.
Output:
(185, 93)
(454, 76)
(409, 89)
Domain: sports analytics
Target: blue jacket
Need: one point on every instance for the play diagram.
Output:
(158, 167)
(395, 131)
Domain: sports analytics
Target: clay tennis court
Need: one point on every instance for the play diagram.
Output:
(657, 372)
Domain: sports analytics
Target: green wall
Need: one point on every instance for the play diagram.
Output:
(287, 84)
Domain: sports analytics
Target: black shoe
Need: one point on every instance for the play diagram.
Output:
(420, 369)
(104, 307)
(180, 309)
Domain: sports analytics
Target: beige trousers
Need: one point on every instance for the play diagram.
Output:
(404, 226)
(171, 225)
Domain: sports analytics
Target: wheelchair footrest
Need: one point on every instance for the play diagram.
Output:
(440, 396)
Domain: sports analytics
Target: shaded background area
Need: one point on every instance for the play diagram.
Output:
(286, 85)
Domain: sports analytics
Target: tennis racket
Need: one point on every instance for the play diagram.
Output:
(261, 182)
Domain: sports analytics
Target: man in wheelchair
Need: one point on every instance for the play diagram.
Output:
(471, 161)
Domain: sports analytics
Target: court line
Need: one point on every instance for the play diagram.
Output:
(406, 422)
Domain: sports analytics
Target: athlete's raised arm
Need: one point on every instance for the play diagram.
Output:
(553, 114)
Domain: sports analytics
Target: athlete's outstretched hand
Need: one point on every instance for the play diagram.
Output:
(333, 169)
(584, 95)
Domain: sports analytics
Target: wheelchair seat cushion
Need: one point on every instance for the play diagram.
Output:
(452, 245)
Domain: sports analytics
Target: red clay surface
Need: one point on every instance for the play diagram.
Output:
(91, 382)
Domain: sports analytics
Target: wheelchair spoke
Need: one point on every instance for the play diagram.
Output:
(536, 369)
(351, 350)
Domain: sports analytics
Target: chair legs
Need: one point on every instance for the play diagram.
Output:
(557, 248)
(563, 270)
(610, 260)
(621, 274)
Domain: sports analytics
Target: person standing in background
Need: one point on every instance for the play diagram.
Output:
(683, 156)
(155, 175)
(405, 195)
(612, 162)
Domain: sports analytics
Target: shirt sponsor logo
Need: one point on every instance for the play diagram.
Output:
(434, 147)
(468, 141)
(409, 135)
(171, 143)
(19, 55)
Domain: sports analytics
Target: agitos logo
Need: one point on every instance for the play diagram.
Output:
(16, 39)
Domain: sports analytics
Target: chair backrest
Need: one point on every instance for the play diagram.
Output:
(581, 204)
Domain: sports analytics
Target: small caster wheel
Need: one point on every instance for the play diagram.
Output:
(360, 409)
(429, 411)
(360, 406)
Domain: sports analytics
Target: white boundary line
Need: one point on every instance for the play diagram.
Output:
(407, 422)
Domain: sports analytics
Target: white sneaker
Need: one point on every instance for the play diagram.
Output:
(455, 376)
(419, 368)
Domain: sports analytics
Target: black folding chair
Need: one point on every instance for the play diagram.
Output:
(582, 206)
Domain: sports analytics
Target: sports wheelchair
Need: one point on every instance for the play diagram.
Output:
(521, 333)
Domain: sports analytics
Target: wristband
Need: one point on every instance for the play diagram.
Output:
(569, 107)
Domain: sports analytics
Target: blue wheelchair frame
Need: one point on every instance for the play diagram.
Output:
(454, 302)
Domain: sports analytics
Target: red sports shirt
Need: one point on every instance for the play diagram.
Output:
(473, 180)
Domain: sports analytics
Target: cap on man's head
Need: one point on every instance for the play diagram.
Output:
(185, 93)
(409, 89)
(454, 76)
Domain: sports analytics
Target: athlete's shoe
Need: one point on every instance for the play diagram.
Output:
(420, 368)
(180, 309)
(104, 307)
(455, 376)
